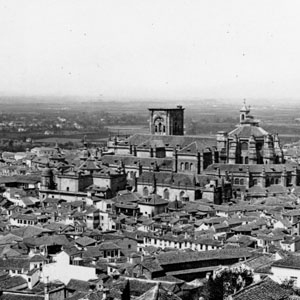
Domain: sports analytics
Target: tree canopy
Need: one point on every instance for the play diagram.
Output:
(227, 282)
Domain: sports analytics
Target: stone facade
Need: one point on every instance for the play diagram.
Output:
(258, 180)
(249, 143)
(165, 121)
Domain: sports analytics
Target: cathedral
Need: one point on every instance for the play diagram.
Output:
(166, 162)
(248, 143)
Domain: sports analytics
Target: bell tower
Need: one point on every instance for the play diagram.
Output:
(167, 121)
(244, 113)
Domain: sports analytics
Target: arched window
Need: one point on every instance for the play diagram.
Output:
(182, 166)
(164, 128)
(155, 128)
(166, 194)
(246, 160)
(145, 192)
(277, 180)
(241, 181)
(242, 117)
(187, 166)
(159, 127)
(236, 181)
(192, 167)
(181, 194)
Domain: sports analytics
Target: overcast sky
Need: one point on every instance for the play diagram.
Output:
(164, 49)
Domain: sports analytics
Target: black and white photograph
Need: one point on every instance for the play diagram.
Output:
(149, 150)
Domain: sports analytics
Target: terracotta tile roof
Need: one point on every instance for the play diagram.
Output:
(37, 258)
(257, 261)
(16, 263)
(78, 285)
(10, 239)
(198, 207)
(264, 290)
(12, 282)
(128, 197)
(290, 262)
(158, 292)
(85, 241)
(175, 257)
(30, 231)
(56, 226)
(72, 250)
(47, 240)
(245, 228)
(108, 246)
(92, 252)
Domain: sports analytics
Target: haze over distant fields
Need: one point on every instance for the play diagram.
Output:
(137, 49)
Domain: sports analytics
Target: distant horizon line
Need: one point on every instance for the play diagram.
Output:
(93, 98)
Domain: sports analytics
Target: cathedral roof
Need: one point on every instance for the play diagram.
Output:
(195, 147)
(169, 141)
(242, 168)
(247, 131)
(152, 143)
(163, 163)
